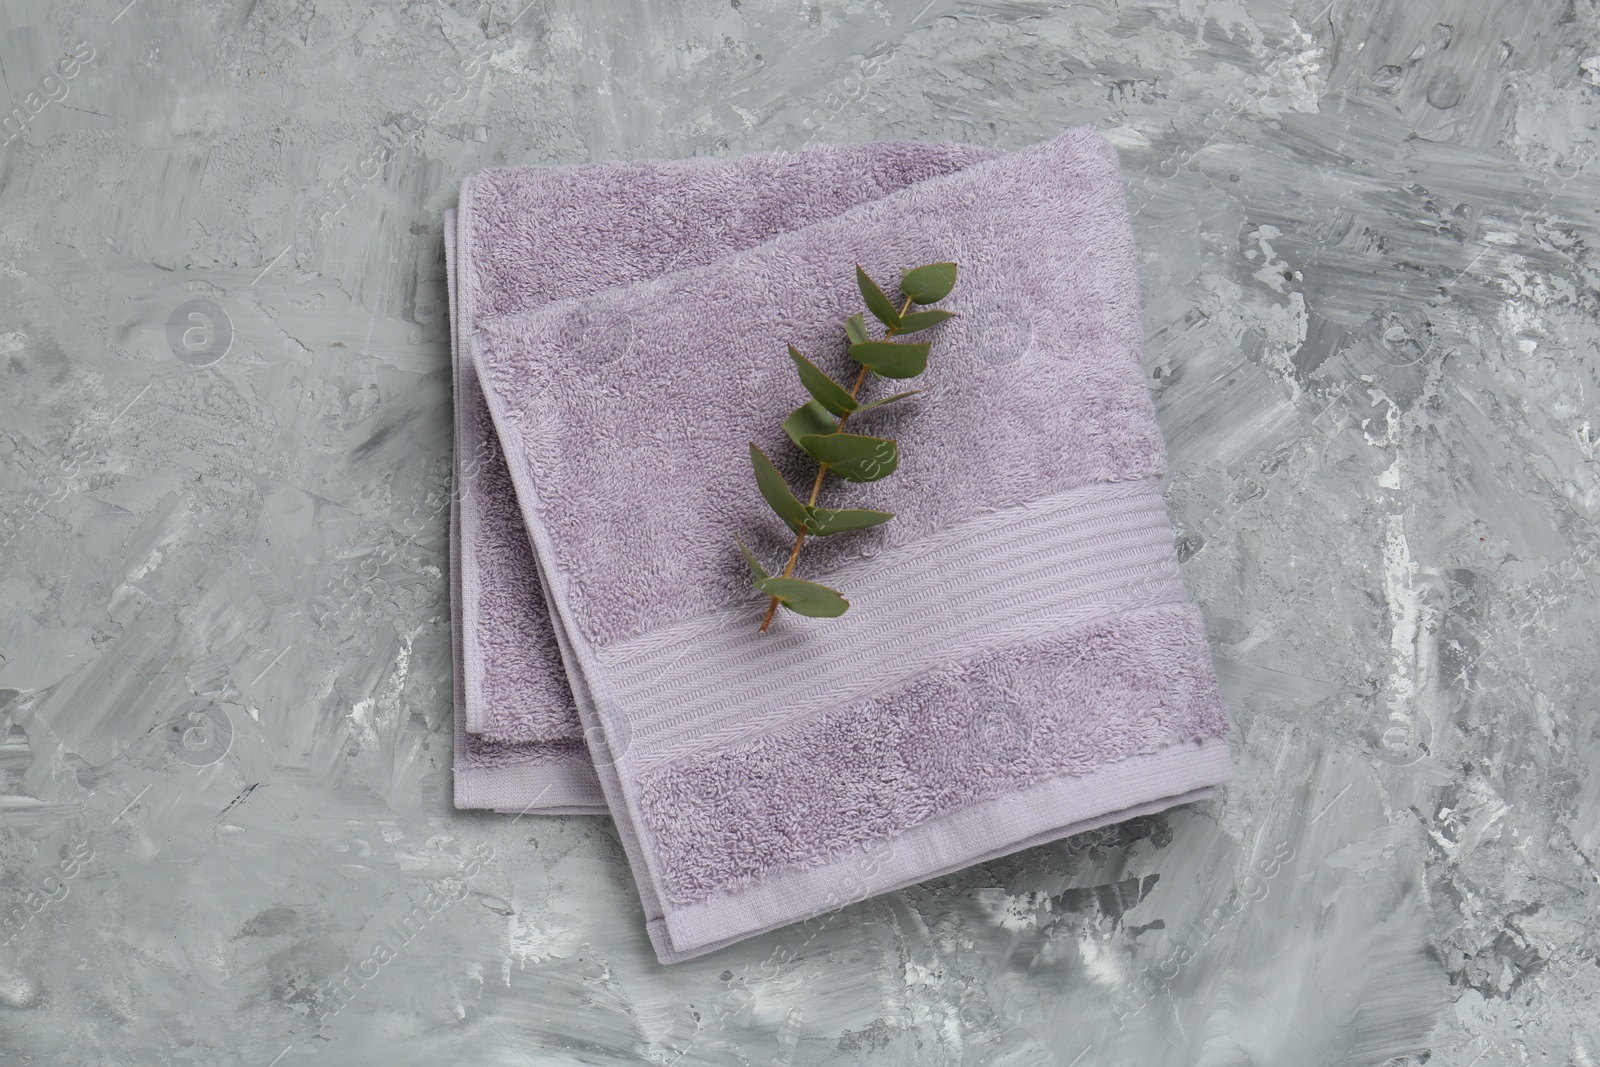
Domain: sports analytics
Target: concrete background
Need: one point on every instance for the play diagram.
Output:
(1368, 234)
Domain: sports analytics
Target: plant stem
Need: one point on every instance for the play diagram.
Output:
(822, 472)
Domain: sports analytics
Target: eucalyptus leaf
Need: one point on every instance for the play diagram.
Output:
(825, 521)
(926, 284)
(921, 320)
(805, 598)
(809, 418)
(755, 565)
(776, 490)
(864, 408)
(892, 359)
(855, 327)
(817, 428)
(829, 393)
(877, 303)
(854, 457)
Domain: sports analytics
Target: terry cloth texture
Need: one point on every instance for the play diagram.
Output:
(514, 699)
(549, 773)
(1020, 661)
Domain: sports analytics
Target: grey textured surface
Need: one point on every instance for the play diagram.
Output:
(1371, 307)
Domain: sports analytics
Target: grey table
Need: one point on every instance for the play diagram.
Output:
(1367, 234)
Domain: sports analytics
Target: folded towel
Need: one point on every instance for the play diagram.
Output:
(1020, 661)
(517, 728)
(498, 621)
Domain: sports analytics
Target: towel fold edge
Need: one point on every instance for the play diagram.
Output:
(1182, 773)
(518, 777)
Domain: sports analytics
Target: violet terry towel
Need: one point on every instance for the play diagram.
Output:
(517, 726)
(1020, 661)
(538, 762)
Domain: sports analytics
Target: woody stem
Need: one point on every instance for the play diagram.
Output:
(822, 472)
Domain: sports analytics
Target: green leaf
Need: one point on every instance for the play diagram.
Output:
(805, 598)
(892, 359)
(829, 393)
(755, 565)
(776, 490)
(926, 284)
(854, 457)
(877, 303)
(921, 320)
(825, 521)
(809, 418)
(864, 408)
(855, 327)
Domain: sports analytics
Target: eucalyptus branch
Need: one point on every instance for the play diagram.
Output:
(818, 428)
(822, 472)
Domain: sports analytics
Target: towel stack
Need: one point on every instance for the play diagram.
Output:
(1020, 662)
